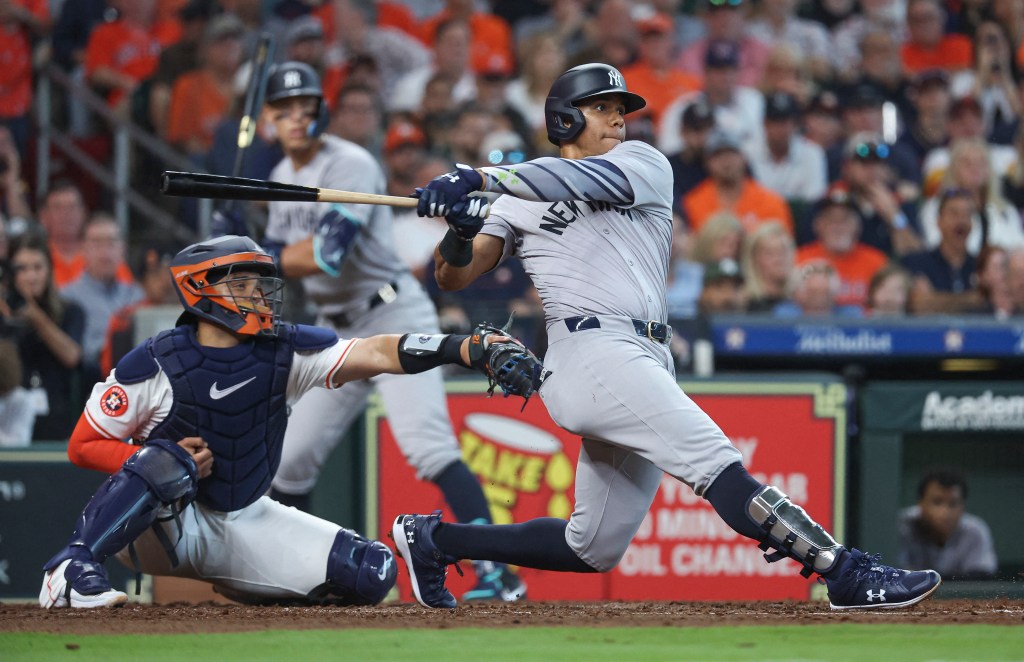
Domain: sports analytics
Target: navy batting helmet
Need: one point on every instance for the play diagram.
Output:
(298, 79)
(564, 120)
(249, 311)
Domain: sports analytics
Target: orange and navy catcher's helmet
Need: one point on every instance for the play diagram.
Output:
(196, 271)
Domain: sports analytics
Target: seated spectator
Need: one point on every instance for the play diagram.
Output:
(786, 162)
(541, 61)
(848, 46)
(472, 124)
(654, 75)
(777, 23)
(837, 228)
(880, 67)
(887, 223)
(356, 116)
(945, 276)
(995, 220)
(62, 215)
(416, 236)
(17, 415)
(123, 53)
(13, 189)
(812, 292)
(739, 110)
(927, 45)
(992, 82)
(889, 292)
(490, 34)
(491, 94)
(22, 22)
(718, 239)
(685, 276)
(97, 290)
(609, 34)
(994, 282)
(405, 150)
(201, 98)
(939, 533)
(726, 21)
(768, 261)
(965, 122)
(786, 73)
(821, 124)
(1015, 276)
(48, 329)
(722, 291)
(688, 164)
(120, 338)
(728, 188)
(176, 60)
(929, 126)
(451, 63)
(304, 42)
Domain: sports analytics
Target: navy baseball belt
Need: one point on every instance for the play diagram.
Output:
(348, 317)
(656, 331)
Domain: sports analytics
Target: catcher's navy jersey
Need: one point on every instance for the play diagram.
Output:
(597, 258)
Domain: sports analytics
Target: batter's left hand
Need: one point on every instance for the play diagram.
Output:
(439, 196)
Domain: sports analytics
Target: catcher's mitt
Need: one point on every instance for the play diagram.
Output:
(508, 364)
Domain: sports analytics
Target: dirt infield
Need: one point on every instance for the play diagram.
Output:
(213, 617)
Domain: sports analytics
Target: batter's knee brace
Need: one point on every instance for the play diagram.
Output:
(788, 529)
(359, 571)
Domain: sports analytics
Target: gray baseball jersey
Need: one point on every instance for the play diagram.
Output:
(416, 405)
(604, 257)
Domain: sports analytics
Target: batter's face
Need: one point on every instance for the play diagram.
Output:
(292, 119)
(605, 125)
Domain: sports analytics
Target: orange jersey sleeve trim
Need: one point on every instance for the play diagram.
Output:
(337, 364)
(92, 447)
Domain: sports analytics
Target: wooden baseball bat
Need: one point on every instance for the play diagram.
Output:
(220, 187)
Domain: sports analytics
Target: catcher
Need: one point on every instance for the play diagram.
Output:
(204, 407)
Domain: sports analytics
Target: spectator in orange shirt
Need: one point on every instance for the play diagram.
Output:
(200, 99)
(837, 228)
(928, 47)
(124, 52)
(729, 188)
(490, 34)
(62, 215)
(21, 21)
(654, 75)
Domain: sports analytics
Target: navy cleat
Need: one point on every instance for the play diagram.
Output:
(428, 566)
(865, 583)
(495, 583)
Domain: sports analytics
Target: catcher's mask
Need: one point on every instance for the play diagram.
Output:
(231, 282)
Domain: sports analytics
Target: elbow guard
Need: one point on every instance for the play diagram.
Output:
(421, 352)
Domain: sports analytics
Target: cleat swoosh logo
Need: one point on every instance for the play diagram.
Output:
(217, 394)
(382, 574)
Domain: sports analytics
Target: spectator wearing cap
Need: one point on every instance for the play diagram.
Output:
(654, 75)
(927, 45)
(777, 23)
(492, 93)
(304, 42)
(785, 161)
(22, 21)
(995, 220)
(201, 98)
(768, 256)
(541, 61)
(729, 188)
(451, 63)
(880, 68)
(356, 116)
(812, 291)
(945, 277)
(837, 230)
(821, 124)
(688, 164)
(472, 124)
(887, 223)
(491, 35)
(379, 30)
(610, 34)
(848, 35)
(993, 82)
(929, 128)
(726, 21)
(722, 291)
(124, 52)
(965, 121)
(405, 150)
(739, 110)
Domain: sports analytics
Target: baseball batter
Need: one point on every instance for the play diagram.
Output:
(594, 230)
(350, 270)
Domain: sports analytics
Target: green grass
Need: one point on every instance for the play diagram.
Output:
(799, 642)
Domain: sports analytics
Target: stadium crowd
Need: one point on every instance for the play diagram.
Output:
(831, 157)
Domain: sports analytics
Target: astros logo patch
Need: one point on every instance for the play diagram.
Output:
(114, 402)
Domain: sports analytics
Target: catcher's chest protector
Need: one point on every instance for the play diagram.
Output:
(235, 399)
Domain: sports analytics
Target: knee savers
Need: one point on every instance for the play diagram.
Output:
(791, 531)
(126, 505)
(359, 571)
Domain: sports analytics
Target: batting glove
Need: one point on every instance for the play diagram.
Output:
(228, 221)
(335, 232)
(467, 216)
(439, 196)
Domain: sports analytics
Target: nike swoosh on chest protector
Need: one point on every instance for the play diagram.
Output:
(217, 394)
